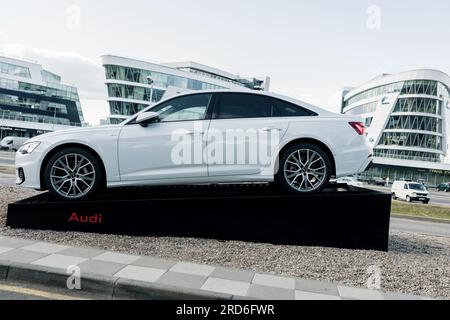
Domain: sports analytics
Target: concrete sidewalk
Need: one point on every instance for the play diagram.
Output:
(112, 275)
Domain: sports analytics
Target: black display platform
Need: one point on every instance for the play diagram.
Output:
(340, 216)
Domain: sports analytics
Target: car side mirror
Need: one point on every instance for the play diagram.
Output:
(146, 117)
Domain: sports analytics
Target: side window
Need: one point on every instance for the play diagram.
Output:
(406, 186)
(287, 109)
(187, 108)
(241, 105)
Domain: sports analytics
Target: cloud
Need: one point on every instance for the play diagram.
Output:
(84, 73)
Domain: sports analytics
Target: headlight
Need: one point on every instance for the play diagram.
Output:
(414, 194)
(29, 147)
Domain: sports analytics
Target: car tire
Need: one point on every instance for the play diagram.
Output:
(426, 202)
(394, 196)
(73, 174)
(307, 162)
(408, 199)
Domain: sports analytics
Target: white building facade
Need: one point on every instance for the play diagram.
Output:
(134, 84)
(407, 116)
(33, 101)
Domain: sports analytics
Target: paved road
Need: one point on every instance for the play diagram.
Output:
(438, 198)
(422, 227)
(7, 180)
(7, 158)
(16, 292)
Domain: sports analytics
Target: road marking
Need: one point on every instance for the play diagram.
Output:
(37, 293)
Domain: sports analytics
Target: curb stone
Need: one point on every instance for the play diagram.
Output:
(103, 286)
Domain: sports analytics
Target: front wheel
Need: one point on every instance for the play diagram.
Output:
(73, 174)
(304, 169)
(408, 199)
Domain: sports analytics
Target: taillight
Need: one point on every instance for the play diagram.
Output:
(359, 127)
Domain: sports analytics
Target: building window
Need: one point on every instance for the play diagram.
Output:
(421, 123)
(418, 140)
(161, 80)
(418, 105)
(368, 122)
(134, 93)
(425, 87)
(407, 155)
(14, 70)
(126, 108)
(365, 108)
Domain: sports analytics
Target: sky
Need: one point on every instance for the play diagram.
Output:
(310, 49)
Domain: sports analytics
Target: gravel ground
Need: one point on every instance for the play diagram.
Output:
(416, 264)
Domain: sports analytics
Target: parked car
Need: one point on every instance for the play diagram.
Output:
(349, 181)
(12, 143)
(198, 138)
(410, 191)
(377, 181)
(445, 187)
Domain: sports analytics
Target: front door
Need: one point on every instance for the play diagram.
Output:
(170, 148)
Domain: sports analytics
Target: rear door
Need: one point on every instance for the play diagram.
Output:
(243, 135)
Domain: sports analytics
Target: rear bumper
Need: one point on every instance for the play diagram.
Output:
(366, 164)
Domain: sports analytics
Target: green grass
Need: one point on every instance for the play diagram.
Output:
(7, 170)
(421, 210)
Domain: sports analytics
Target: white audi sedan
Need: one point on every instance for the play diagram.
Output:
(207, 137)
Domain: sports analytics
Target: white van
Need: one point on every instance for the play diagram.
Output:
(12, 143)
(410, 191)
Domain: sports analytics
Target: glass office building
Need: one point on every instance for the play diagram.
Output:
(34, 101)
(133, 84)
(407, 116)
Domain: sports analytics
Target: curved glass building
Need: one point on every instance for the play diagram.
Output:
(33, 100)
(130, 91)
(407, 116)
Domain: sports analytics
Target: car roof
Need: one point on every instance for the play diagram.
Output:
(304, 104)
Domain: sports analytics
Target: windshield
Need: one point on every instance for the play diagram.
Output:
(417, 186)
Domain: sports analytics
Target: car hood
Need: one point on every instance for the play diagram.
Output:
(82, 130)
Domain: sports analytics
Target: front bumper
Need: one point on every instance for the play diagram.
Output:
(28, 170)
(420, 198)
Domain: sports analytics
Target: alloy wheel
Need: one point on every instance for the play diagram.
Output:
(72, 175)
(305, 170)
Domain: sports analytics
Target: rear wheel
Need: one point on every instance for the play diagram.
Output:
(73, 174)
(304, 169)
(394, 196)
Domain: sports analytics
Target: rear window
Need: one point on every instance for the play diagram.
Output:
(287, 109)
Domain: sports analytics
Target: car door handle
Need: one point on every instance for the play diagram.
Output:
(267, 129)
